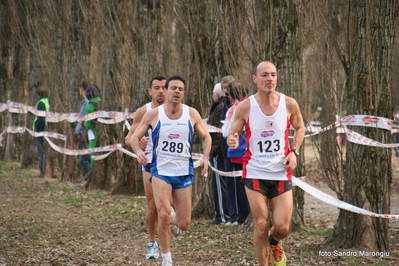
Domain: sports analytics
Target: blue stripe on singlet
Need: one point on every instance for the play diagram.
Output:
(155, 137)
(191, 165)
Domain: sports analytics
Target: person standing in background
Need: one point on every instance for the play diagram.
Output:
(216, 116)
(40, 123)
(84, 160)
(89, 134)
(239, 206)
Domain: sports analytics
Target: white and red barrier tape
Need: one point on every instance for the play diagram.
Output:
(338, 203)
(14, 130)
(295, 181)
(117, 117)
(112, 117)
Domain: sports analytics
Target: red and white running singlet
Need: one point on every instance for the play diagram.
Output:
(267, 143)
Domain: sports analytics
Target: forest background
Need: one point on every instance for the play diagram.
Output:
(337, 54)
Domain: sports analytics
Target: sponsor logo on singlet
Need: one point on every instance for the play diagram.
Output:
(266, 134)
(173, 136)
(269, 124)
(166, 124)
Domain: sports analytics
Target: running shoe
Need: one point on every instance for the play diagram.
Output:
(277, 255)
(153, 250)
(173, 228)
(167, 262)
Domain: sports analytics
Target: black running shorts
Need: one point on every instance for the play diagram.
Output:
(268, 188)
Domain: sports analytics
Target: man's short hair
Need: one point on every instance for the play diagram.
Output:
(218, 89)
(159, 78)
(41, 91)
(175, 77)
(226, 79)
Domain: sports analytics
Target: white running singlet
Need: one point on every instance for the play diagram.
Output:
(172, 145)
(149, 145)
(267, 143)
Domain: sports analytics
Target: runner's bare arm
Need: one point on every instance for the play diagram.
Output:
(147, 122)
(138, 116)
(296, 121)
(200, 129)
(240, 119)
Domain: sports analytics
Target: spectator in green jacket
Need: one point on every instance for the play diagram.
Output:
(90, 132)
(40, 122)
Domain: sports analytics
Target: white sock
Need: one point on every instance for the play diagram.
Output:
(167, 256)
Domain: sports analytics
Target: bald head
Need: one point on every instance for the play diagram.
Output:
(265, 77)
(263, 64)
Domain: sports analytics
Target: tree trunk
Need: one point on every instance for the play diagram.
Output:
(287, 54)
(368, 171)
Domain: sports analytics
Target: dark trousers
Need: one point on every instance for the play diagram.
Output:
(219, 190)
(395, 139)
(239, 206)
(84, 160)
(39, 145)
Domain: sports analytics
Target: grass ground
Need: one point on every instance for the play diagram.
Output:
(45, 222)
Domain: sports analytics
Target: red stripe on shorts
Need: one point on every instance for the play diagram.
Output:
(255, 183)
(280, 187)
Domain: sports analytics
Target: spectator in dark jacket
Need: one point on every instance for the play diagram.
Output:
(216, 115)
(40, 122)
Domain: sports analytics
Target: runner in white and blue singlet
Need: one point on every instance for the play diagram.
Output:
(173, 125)
(157, 92)
(172, 140)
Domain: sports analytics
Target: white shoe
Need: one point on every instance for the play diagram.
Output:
(83, 184)
(152, 251)
(167, 262)
(231, 224)
(173, 228)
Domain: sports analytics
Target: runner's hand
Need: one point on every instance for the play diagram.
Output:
(290, 161)
(204, 163)
(143, 142)
(232, 141)
(142, 157)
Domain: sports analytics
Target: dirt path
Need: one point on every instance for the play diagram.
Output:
(45, 222)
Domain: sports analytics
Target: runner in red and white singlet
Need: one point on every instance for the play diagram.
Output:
(267, 143)
(268, 162)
